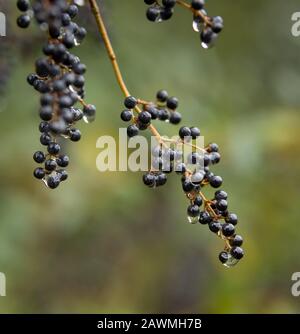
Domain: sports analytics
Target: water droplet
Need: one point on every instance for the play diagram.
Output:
(88, 119)
(197, 23)
(45, 180)
(193, 220)
(231, 262)
(79, 2)
(77, 42)
(204, 45)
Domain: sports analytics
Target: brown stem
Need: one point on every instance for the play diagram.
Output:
(108, 46)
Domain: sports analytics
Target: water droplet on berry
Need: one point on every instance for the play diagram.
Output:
(88, 119)
(193, 220)
(204, 45)
(79, 2)
(196, 24)
(231, 262)
(45, 180)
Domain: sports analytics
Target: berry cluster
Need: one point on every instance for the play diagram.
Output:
(209, 27)
(60, 79)
(195, 176)
(160, 12)
(164, 109)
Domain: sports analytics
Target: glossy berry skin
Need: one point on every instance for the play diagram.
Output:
(237, 241)
(39, 157)
(195, 132)
(53, 148)
(53, 182)
(214, 226)
(162, 95)
(223, 257)
(23, 5)
(126, 115)
(204, 218)
(144, 117)
(23, 21)
(75, 135)
(222, 205)
(149, 180)
(132, 130)
(198, 201)
(207, 35)
(228, 230)
(217, 24)
(172, 103)
(39, 173)
(232, 218)
(169, 3)
(175, 117)
(198, 4)
(153, 14)
(50, 164)
(161, 179)
(187, 186)
(220, 194)
(193, 210)
(216, 181)
(237, 252)
(184, 132)
(130, 102)
(63, 161)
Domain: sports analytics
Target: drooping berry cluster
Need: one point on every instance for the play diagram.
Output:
(184, 156)
(60, 79)
(169, 156)
(208, 26)
(164, 109)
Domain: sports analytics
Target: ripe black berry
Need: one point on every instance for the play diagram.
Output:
(195, 132)
(130, 102)
(23, 5)
(198, 4)
(204, 218)
(169, 3)
(223, 257)
(162, 95)
(144, 117)
(153, 13)
(172, 103)
(193, 210)
(23, 21)
(184, 132)
(126, 115)
(237, 252)
(132, 130)
(50, 164)
(228, 230)
(214, 226)
(39, 173)
(39, 157)
(53, 182)
(216, 181)
(149, 180)
(236, 241)
(175, 117)
(222, 205)
(53, 148)
(232, 218)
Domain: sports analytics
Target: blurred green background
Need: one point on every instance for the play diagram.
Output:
(103, 242)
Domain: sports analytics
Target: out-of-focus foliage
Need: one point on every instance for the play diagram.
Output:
(105, 243)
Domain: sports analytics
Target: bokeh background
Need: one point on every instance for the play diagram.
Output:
(103, 242)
